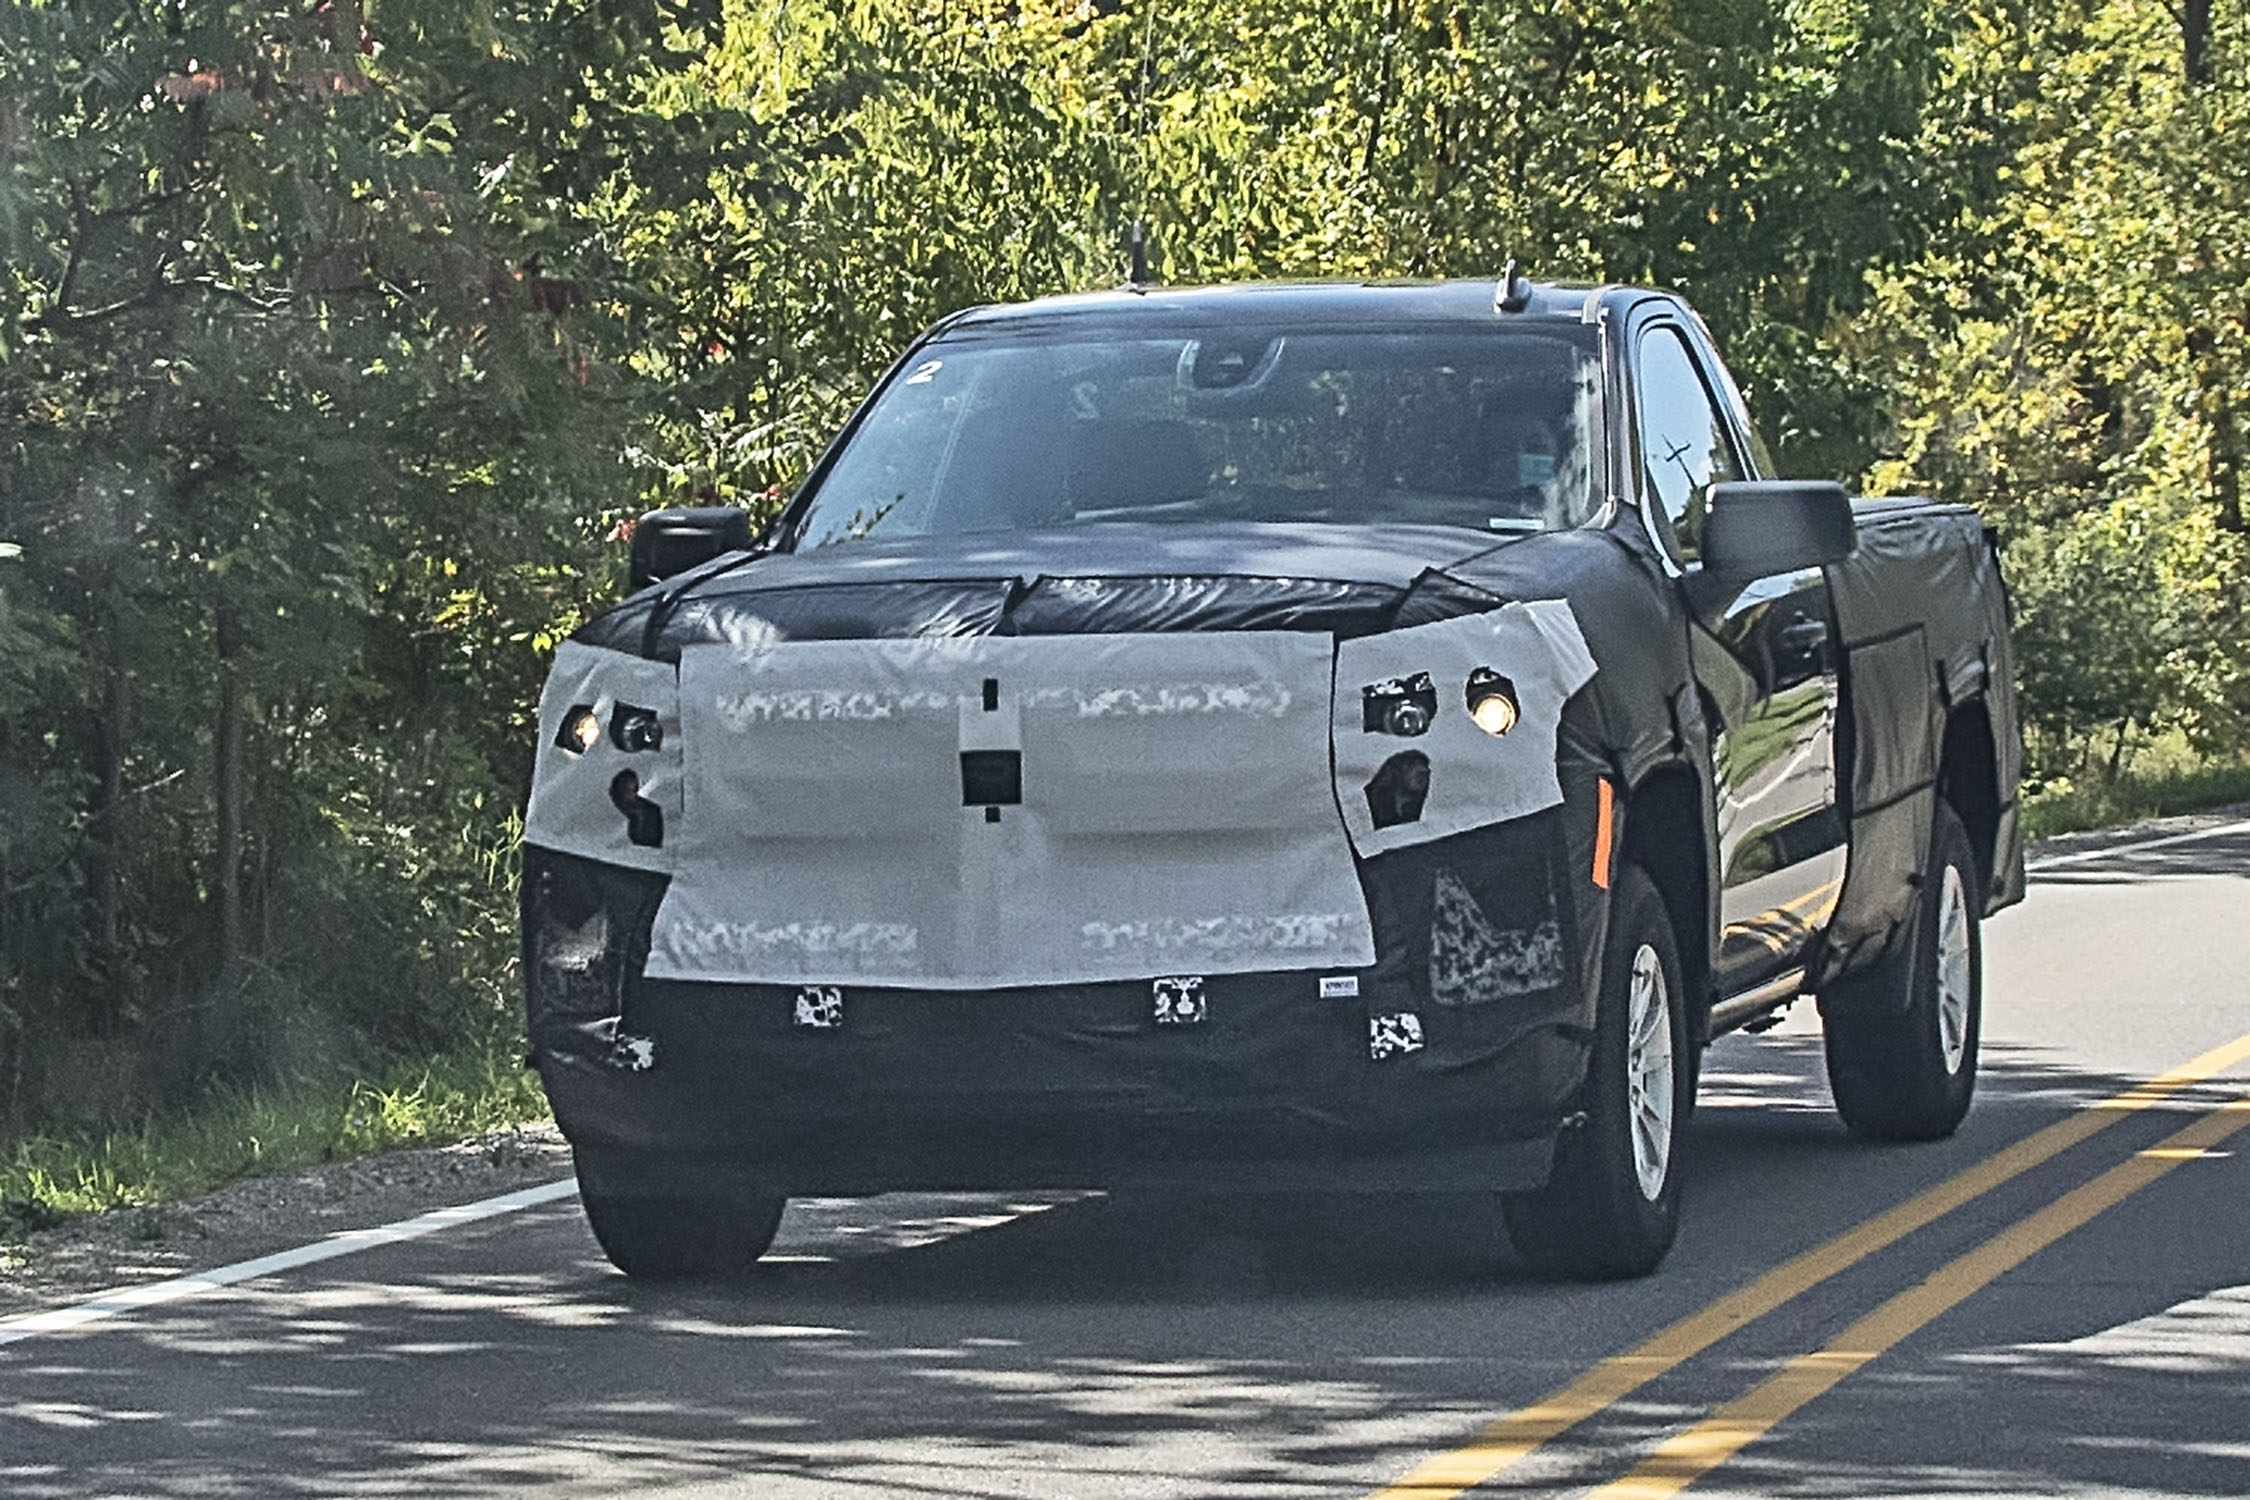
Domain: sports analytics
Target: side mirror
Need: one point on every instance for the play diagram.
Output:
(667, 543)
(1756, 527)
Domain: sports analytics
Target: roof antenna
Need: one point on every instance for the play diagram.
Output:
(1137, 277)
(1515, 290)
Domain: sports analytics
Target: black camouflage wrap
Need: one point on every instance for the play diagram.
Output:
(1923, 614)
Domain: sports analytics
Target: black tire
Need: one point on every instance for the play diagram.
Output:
(1902, 1037)
(682, 1239)
(1612, 1205)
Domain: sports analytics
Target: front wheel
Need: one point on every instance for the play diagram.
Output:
(1902, 1038)
(682, 1238)
(1612, 1204)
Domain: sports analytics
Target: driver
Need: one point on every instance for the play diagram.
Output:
(1527, 456)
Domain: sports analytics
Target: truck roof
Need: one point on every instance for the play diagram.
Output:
(1307, 302)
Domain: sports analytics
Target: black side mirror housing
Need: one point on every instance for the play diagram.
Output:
(666, 543)
(1758, 527)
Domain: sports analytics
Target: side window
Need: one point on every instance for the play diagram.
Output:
(1684, 447)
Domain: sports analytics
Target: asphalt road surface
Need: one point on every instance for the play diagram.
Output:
(2054, 1303)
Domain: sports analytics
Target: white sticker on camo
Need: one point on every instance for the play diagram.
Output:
(574, 794)
(995, 811)
(1467, 778)
(1181, 1001)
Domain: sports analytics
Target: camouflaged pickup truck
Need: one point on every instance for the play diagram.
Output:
(1333, 737)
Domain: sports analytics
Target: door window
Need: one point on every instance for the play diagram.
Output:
(1684, 445)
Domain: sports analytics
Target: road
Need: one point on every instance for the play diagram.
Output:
(2069, 1314)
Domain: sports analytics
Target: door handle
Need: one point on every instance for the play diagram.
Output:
(1804, 636)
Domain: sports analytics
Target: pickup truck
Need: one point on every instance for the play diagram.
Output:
(1333, 737)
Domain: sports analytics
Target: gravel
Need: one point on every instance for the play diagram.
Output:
(94, 1254)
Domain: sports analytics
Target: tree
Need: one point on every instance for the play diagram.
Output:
(2072, 357)
(304, 430)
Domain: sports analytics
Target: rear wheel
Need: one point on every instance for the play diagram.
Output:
(1612, 1204)
(1902, 1037)
(682, 1238)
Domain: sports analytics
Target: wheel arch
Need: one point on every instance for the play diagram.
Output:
(1664, 835)
(1969, 781)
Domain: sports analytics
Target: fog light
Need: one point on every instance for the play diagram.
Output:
(1492, 702)
(644, 820)
(581, 731)
(1400, 787)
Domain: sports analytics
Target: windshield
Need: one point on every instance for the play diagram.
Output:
(1490, 429)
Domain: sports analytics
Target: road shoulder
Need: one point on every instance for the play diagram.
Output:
(134, 1246)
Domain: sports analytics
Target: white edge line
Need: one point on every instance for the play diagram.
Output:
(2177, 838)
(347, 1242)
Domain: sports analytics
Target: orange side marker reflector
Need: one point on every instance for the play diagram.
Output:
(1605, 815)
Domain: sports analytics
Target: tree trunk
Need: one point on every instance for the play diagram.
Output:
(2222, 465)
(2195, 41)
(11, 1029)
(110, 733)
(1385, 68)
(2225, 466)
(227, 766)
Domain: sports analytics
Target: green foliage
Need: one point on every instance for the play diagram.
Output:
(305, 456)
(2121, 612)
(1754, 157)
(2073, 355)
(237, 1132)
(334, 339)
(2159, 778)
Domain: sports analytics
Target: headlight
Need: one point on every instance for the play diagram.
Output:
(1492, 702)
(581, 730)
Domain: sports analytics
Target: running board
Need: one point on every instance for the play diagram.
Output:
(1738, 1011)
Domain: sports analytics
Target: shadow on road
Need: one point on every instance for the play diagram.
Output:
(2224, 854)
(1162, 1347)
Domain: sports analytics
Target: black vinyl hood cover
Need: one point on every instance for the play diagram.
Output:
(1106, 578)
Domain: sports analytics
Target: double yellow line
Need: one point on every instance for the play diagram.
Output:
(1688, 1455)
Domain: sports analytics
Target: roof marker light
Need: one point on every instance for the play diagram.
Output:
(1514, 294)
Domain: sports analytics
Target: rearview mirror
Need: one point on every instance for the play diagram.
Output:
(1756, 527)
(666, 543)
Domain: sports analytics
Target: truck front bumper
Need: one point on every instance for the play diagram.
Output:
(1284, 1079)
(1065, 1087)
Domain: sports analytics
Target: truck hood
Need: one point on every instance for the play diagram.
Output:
(1108, 578)
(958, 805)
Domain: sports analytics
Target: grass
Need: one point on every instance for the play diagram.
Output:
(252, 1133)
(2155, 786)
